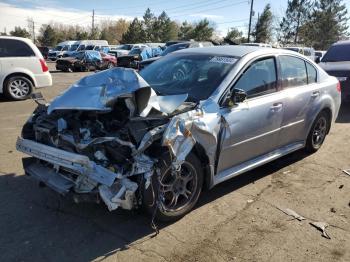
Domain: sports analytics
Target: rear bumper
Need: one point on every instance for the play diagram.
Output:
(42, 80)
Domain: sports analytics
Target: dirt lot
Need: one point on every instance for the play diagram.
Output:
(37, 225)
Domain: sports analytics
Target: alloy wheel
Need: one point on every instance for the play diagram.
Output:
(319, 132)
(177, 188)
(19, 88)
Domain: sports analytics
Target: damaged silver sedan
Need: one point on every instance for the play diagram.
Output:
(192, 119)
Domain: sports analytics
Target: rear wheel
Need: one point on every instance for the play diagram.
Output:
(18, 88)
(176, 192)
(318, 132)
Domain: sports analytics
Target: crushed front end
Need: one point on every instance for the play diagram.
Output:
(102, 137)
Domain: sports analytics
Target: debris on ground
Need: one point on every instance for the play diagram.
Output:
(286, 172)
(322, 227)
(333, 210)
(341, 186)
(250, 201)
(347, 171)
(292, 213)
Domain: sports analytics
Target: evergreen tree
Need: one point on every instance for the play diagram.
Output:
(202, 31)
(263, 28)
(165, 28)
(327, 25)
(234, 35)
(135, 33)
(20, 32)
(48, 36)
(297, 14)
(149, 25)
(185, 31)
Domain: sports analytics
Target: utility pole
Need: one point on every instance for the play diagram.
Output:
(250, 18)
(33, 32)
(93, 23)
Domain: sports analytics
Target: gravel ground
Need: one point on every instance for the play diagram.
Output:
(239, 220)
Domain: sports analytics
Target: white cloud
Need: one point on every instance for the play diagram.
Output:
(11, 16)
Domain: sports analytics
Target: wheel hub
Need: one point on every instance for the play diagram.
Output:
(177, 187)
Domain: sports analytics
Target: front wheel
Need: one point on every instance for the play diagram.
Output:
(317, 133)
(176, 192)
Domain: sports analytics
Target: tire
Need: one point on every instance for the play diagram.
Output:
(18, 88)
(110, 65)
(318, 132)
(189, 183)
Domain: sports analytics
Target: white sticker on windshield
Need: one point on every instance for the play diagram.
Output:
(223, 60)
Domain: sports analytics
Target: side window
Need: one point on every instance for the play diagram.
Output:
(14, 48)
(259, 79)
(293, 71)
(311, 74)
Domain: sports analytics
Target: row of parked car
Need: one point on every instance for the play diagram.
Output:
(135, 56)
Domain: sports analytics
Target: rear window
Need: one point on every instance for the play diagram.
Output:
(293, 71)
(14, 48)
(337, 53)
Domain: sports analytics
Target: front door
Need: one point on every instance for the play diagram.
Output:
(253, 126)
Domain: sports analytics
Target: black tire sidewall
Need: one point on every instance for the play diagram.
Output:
(149, 198)
(7, 87)
(309, 144)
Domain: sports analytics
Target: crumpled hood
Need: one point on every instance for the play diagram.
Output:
(98, 92)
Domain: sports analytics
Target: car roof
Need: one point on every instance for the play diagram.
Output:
(237, 51)
(342, 42)
(223, 50)
(27, 40)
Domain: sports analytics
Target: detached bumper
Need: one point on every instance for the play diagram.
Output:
(115, 190)
(79, 164)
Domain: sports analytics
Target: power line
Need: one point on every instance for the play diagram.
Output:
(213, 8)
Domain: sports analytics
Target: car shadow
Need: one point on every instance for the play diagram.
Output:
(344, 113)
(250, 177)
(49, 227)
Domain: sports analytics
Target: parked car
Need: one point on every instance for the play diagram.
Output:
(22, 68)
(306, 51)
(86, 61)
(135, 56)
(44, 50)
(173, 48)
(258, 44)
(126, 49)
(59, 50)
(319, 54)
(97, 45)
(336, 62)
(192, 119)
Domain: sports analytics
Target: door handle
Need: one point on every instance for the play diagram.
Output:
(276, 106)
(315, 94)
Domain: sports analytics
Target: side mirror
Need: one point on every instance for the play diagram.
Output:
(238, 96)
(234, 97)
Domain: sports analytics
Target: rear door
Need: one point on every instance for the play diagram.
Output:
(301, 92)
(252, 126)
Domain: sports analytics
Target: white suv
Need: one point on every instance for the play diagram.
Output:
(22, 68)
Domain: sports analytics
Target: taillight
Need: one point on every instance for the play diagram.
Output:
(339, 87)
(43, 64)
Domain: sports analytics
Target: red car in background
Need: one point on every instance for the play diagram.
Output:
(86, 61)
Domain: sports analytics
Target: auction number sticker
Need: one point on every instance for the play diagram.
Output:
(223, 60)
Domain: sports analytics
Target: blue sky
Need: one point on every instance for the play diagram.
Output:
(224, 13)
